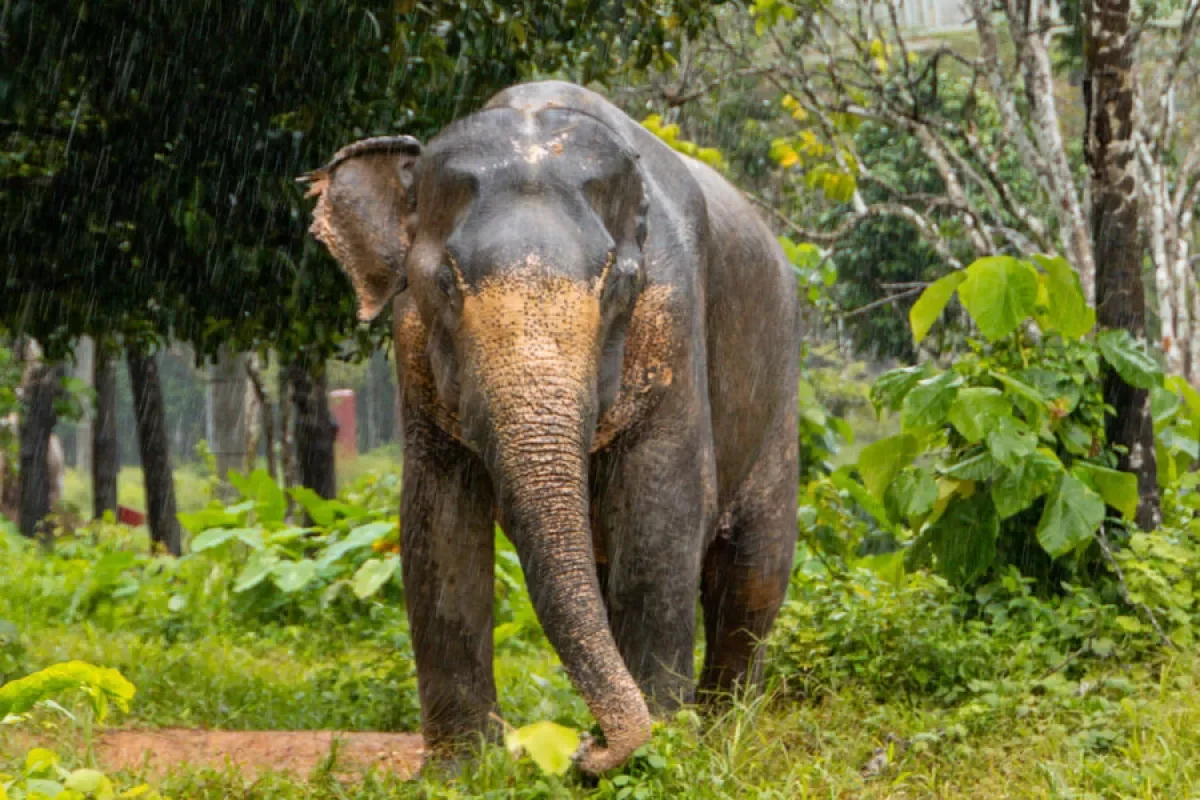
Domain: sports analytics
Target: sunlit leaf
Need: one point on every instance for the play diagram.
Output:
(549, 744)
(930, 304)
(1118, 489)
(1067, 310)
(372, 575)
(1129, 359)
(879, 461)
(1000, 292)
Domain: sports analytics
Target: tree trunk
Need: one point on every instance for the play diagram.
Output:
(1116, 235)
(268, 414)
(316, 430)
(105, 462)
(156, 456)
(85, 354)
(287, 451)
(37, 423)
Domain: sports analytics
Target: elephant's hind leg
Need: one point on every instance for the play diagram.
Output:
(746, 569)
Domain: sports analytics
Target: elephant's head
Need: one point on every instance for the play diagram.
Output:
(520, 236)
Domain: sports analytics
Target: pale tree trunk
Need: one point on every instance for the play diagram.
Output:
(155, 449)
(1030, 23)
(1120, 295)
(105, 458)
(252, 413)
(85, 353)
(227, 413)
(267, 409)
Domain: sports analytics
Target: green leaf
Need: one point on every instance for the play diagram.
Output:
(977, 410)
(931, 302)
(1017, 488)
(1129, 359)
(89, 781)
(981, 466)
(1073, 513)
(17, 697)
(362, 536)
(1068, 311)
(320, 509)
(999, 293)
(549, 744)
(258, 569)
(212, 538)
(842, 479)
(270, 503)
(888, 566)
(215, 516)
(1010, 441)
(40, 761)
(879, 461)
(292, 576)
(929, 401)
(1164, 405)
(911, 493)
(964, 538)
(372, 575)
(1118, 489)
(891, 387)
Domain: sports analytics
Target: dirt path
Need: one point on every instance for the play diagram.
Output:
(299, 752)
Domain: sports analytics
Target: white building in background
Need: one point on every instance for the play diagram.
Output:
(931, 16)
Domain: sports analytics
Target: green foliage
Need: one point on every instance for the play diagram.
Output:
(99, 684)
(1011, 435)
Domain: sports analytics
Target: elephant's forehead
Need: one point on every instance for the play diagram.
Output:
(563, 146)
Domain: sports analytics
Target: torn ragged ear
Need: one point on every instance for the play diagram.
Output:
(362, 214)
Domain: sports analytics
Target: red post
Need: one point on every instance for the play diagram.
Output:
(342, 404)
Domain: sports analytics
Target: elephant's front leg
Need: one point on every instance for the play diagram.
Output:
(447, 551)
(656, 500)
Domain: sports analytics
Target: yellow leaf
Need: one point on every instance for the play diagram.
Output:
(790, 159)
(790, 102)
(800, 115)
(549, 744)
(136, 791)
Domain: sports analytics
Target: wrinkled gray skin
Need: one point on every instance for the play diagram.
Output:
(596, 341)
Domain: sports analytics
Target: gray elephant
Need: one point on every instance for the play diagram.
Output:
(597, 346)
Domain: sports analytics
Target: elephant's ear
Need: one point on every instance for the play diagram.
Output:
(362, 213)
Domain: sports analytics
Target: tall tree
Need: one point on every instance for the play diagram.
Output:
(156, 454)
(1111, 147)
(316, 430)
(105, 461)
(37, 424)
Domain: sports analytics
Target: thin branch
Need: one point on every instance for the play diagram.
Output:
(1106, 549)
(891, 298)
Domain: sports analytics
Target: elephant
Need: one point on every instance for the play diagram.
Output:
(597, 347)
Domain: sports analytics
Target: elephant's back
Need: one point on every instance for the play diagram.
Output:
(752, 330)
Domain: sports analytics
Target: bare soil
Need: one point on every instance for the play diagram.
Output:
(160, 750)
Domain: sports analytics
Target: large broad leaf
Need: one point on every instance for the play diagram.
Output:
(999, 293)
(931, 302)
(1016, 489)
(1073, 513)
(321, 510)
(103, 684)
(1118, 489)
(219, 536)
(977, 467)
(1164, 405)
(549, 744)
(977, 410)
(1067, 311)
(1129, 359)
(964, 538)
(1010, 441)
(214, 516)
(362, 536)
(911, 493)
(258, 569)
(270, 503)
(292, 576)
(891, 387)
(927, 403)
(372, 575)
(879, 461)
(842, 479)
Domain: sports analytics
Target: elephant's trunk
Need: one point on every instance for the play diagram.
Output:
(535, 385)
(544, 501)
